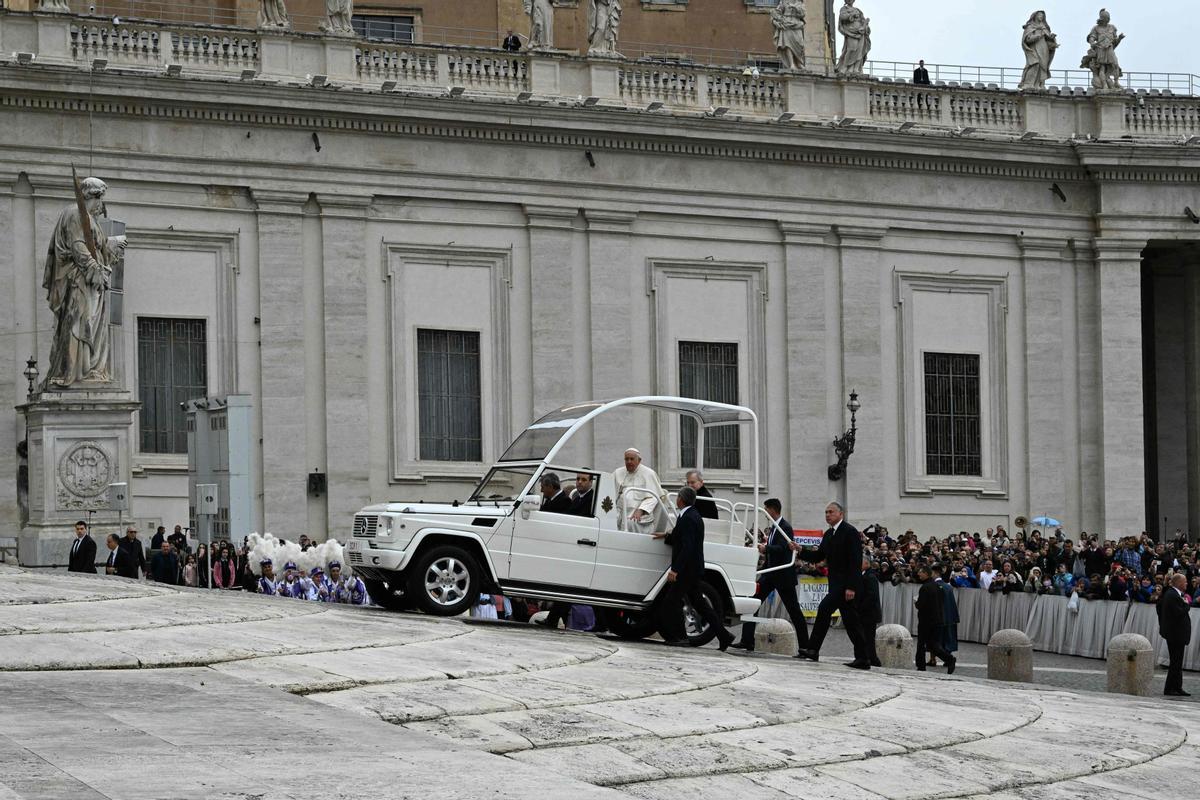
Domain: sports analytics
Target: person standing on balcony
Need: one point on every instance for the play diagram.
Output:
(921, 75)
(512, 42)
(1039, 44)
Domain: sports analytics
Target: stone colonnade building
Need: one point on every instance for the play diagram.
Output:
(1014, 301)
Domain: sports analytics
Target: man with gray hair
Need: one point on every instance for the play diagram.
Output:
(1175, 627)
(841, 550)
(554, 499)
(704, 501)
(638, 509)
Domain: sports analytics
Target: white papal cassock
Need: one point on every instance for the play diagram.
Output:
(658, 512)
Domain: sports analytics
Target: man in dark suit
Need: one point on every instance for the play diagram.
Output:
(1175, 626)
(779, 557)
(920, 74)
(683, 578)
(704, 498)
(164, 567)
(930, 615)
(870, 610)
(841, 550)
(137, 554)
(119, 562)
(83, 551)
(554, 499)
(583, 497)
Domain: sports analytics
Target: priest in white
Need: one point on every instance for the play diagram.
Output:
(639, 511)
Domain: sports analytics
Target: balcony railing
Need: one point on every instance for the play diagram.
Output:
(962, 107)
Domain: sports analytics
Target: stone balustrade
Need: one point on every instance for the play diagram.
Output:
(199, 51)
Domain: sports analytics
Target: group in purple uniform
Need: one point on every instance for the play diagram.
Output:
(331, 588)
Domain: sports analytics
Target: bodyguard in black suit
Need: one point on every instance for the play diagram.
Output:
(931, 612)
(137, 554)
(119, 561)
(704, 498)
(841, 550)
(83, 551)
(683, 579)
(870, 610)
(554, 499)
(583, 498)
(778, 550)
(1175, 626)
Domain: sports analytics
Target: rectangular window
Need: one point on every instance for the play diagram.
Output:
(449, 401)
(172, 369)
(391, 29)
(952, 429)
(709, 371)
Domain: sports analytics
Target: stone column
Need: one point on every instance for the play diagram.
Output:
(610, 278)
(810, 263)
(1087, 413)
(347, 422)
(862, 367)
(1119, 267)
(281, 332)
(1045, 409)
(553, 318)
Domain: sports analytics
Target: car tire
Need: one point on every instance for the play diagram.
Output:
(444, 581)
(629, 625)
(697, 632)
(385, 594)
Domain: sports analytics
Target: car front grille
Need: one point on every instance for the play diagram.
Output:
(365, 525)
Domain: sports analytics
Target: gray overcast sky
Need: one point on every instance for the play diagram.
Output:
(1161, 34)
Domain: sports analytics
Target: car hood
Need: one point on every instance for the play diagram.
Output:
(440, 508)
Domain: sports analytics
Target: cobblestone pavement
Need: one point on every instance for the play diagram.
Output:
(292, 699)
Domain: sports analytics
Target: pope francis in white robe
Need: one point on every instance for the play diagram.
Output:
(642, 511)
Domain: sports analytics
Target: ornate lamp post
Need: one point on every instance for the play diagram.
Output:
(31, 374)
(844, 444)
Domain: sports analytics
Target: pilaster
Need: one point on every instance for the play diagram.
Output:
(1046, 413)
(613, 343)
(1119, 268)
(810, 263)
(346, 407)
(282, 365)
(551, 296)
(862, 368)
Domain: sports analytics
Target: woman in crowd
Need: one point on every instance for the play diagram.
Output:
(224, 571)
(202, 567)
(1034, 582)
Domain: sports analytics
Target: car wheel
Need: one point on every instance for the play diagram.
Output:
(387, 594)
(699, 632)
(629, 625)
(444, 581)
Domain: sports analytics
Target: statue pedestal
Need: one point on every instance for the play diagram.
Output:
(79, 442)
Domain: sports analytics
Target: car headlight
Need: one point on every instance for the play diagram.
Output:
(385, 526)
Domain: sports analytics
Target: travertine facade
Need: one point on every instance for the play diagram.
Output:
(316, 229)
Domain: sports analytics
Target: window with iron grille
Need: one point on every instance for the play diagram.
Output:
(952, 429)
(392, 29)
(709, 371)
(449, 402)
(172, 368)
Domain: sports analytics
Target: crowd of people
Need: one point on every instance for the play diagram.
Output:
(1134, 568)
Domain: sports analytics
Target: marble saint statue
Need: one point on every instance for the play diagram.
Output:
(541, 23)
(337, 17)
(1101, 56)
(604, 21)
(1039, 44)
(77, 278)
(54, 6)
(273, 14)
(788, 21)
(856, 29)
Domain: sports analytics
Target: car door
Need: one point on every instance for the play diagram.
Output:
(626, 563)
(557, 549)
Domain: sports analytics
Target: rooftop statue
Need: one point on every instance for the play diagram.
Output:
(788, 21)
(604, 21)
(56, 6)
(337, 17)
(273, 14)
(1039, 44)
(77, 278)
(856, 29)
(541, 23)
(1101, 56)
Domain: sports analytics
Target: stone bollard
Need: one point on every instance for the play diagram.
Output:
(1130, 664)
(895, 647)
(775, 636)
(1010, 656)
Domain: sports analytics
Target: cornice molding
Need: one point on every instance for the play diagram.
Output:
(1042, 247)
(695, 138)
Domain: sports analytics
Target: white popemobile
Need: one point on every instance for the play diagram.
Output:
(440, 557)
